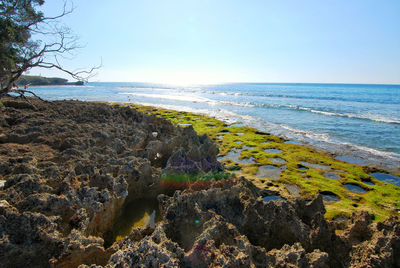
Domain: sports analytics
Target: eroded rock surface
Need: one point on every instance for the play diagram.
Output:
(68, 167)
(231, 226)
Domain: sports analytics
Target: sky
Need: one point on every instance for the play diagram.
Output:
(213, 41)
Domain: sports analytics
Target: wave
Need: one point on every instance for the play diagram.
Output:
(290, 96)
(185, 98)
(370, 117)
(321, 140)
(189, 98)
(147, 89)
(220, 114)
(376, 118)
(326, 141)
(306, 133)
(198, 99)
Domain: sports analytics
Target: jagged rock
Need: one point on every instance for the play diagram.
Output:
(74, 164)
(67, 168)
(373, 245)
(27, 238)
(230, 226)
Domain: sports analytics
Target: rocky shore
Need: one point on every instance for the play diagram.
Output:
(67, 168)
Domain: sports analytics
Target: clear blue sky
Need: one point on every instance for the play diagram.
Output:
(195, 41)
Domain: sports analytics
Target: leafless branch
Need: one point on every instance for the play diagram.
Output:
(58, 42)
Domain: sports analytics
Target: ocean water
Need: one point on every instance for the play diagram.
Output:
(361, 121)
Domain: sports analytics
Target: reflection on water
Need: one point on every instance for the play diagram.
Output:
(273, 151)
(330, 198)
(389, 178)
(269, 171)
(368, 182)
(272, 198)
(354, 188)
(331, 175)
(351, 159)
(184, 124)
(316, 166)
(234, 155)
(137, 213)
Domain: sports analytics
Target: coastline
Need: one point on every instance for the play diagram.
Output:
(251, 155)
(356, 154)
(287, 112)
(70, 169)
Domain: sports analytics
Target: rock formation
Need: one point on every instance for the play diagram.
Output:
(68, 168)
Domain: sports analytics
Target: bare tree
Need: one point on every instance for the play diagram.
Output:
(28, 39)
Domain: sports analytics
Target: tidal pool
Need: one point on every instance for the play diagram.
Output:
(354, 188)
(368, 182)
(316, 166)
(331, 175)
(351, 159)
(273, 151)
(184, 124)
(137, 213)
(389, 178)
(329, 197)
(269, 171)
(277, 160)
(234, 156)
(272, 198)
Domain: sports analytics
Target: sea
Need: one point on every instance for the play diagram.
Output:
(358, 123)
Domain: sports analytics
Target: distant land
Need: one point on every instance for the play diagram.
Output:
(45, 81)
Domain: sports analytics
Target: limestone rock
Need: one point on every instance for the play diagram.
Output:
(68, 167)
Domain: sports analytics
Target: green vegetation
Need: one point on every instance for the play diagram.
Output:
(38, 80)
(192, 178)
(44, 81)
(381, 199)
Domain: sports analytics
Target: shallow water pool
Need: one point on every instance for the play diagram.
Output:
(389, 178)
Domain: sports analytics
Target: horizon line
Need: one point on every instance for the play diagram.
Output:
(220, 83)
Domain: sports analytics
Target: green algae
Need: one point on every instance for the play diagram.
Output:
(190, 178)
(381, 199)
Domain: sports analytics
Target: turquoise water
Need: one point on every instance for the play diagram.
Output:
(359, 120)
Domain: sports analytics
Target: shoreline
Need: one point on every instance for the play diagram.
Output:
(354, 153)
(348, 173)
(383, 153)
